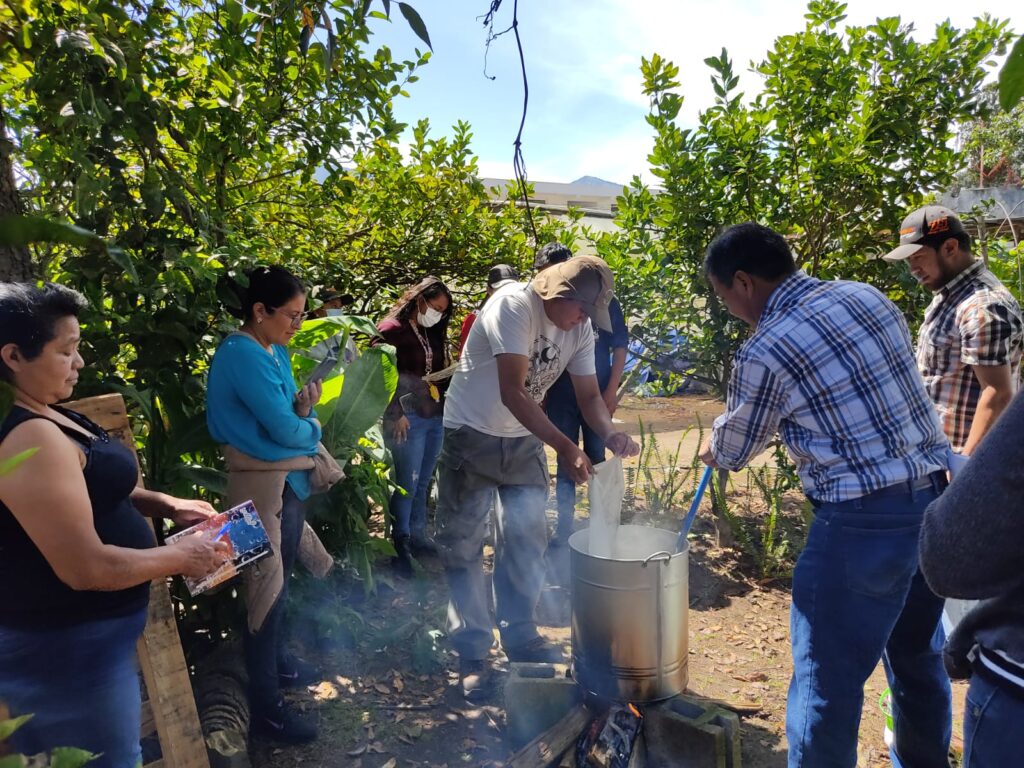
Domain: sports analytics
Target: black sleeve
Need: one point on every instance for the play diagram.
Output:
(973, 535)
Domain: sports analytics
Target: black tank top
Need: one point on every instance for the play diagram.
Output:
(34, 596)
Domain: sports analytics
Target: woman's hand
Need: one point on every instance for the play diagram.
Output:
(188, 512)
(201, 555)
(307, 397)
(400, 430)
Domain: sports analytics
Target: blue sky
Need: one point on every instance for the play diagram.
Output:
(586, 113)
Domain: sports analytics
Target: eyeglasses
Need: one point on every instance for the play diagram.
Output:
(295, 319)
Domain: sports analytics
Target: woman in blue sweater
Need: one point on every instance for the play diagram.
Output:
(254, 406)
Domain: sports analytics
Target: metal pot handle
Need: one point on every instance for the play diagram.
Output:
(662, 557)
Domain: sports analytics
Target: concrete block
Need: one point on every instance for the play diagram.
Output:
(536, 697)
(728, 721)
(687, 732)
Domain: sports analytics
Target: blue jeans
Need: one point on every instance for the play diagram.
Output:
(265, 650)
(80, 683)
(992, 726)
(564, 413)
(859, 596)
(415, 460)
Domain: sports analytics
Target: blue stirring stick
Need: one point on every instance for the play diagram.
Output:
(688, 522)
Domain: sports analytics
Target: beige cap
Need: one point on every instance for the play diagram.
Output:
(585, 279)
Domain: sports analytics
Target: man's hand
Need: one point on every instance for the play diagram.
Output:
(400, 430)
(621, 445)
(188, 512)
(576, 463)
(611, 400)
(707, 456)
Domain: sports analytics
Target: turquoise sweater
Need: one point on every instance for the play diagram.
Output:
(250, 400)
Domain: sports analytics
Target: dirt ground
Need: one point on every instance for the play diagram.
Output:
(387, 698)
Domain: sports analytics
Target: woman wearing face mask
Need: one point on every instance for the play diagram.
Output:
(417, 327)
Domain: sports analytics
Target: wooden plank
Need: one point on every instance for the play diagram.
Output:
(148, 719)
(169, 686)
(172, 706)
(549, 746)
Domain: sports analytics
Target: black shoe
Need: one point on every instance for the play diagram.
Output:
(283, 724)
(474, 679)
(296, 673)
(421, 545)
(537, 651)
(402, 561)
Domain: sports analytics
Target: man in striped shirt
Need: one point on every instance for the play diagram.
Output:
(830, 366)
(969, 346)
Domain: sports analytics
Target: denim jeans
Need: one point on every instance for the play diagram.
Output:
(564, 413)
(859, 596)
(80, 683)
(472, 467)
(415, 460)
(992, 725)
(265, 649)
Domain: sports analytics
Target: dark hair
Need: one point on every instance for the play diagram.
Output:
(271, 286)
(935, 241)
(405, 308)
(29, 314)
(551, 253)
(752, 248)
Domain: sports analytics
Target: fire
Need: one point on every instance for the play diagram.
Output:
(634, 710)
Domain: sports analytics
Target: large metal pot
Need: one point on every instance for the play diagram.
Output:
(629, 615)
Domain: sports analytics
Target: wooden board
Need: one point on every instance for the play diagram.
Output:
(171, 705)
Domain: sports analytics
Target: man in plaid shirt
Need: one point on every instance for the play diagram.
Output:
(830, 366)
(969, 346)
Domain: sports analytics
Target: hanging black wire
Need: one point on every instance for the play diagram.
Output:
(518, 163)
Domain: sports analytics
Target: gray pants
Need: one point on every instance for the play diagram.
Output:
(472, 466)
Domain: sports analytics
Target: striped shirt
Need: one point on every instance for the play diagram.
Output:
(831, 367)
(972, 320)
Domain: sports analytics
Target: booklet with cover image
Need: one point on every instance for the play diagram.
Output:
(247, 540)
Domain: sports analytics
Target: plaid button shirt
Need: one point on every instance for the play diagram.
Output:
(831, 367)
(972, 320)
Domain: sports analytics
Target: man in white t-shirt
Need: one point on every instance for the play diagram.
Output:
(495, 431)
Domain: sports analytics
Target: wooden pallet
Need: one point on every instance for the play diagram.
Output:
(169, 708)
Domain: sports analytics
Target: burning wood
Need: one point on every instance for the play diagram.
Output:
(609, 740)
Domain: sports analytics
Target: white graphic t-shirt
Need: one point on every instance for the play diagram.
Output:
(512, 321)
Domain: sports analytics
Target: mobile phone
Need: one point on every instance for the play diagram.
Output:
(323, 368)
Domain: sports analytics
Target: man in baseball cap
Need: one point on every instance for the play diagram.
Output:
(500, 275)
(970, 343)
(526, 335)
(589, 280)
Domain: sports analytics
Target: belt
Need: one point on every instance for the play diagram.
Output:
(935, 481)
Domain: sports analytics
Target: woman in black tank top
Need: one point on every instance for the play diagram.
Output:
(76, 554)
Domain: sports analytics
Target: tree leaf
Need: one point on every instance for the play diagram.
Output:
(1011, 79)
(10, 464)
(8, 727)
(69, 757)
(387, 8)
(415, 23)
(20, 230)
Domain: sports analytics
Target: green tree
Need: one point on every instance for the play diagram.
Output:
(851, 127)
(993, 145)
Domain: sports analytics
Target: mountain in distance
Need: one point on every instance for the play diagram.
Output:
(593, 181)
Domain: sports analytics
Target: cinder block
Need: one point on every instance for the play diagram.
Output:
(536, 697)
(728, 721)
(685, 731)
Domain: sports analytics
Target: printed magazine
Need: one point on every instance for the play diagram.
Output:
(243, 530)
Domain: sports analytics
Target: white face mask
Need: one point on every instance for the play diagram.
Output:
(336, 312)
(429, 318)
